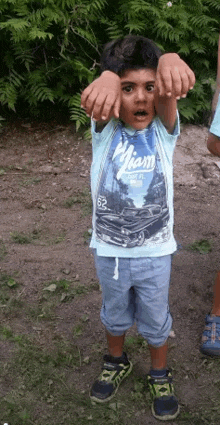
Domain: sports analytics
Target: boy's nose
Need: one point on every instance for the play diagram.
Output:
(140, 95)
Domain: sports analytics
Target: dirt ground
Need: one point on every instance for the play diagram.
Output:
(44, 186)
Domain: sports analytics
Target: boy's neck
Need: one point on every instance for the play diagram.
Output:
(132, 129)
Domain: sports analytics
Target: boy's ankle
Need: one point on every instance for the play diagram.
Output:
(117, 359)
(116, 355)
(158, 373)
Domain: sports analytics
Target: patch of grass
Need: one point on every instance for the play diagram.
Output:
(54, 293)
(83, 198)
(87, 236)
(3, 251)
(20, 238)
(11, 302)
(204, 246)
(139, 390)
(24, 238)
(15, 413)
(78, 329)
(97, 347)
(137, 344)
(69, 202)
(32, 180)
(95, 286)
(37, 235)
(66, 288)
(80, 326)
(57, 239)
(39, 381)
(46, 390)
(6, 333)
(197, 418)
(7, 284)
(46, 310)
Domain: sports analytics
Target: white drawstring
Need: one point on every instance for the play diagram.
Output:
(116, 269)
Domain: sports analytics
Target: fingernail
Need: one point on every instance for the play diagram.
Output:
(88, 115)
(184, 95)
(103, 118)
(178, 97)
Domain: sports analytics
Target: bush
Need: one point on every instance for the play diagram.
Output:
(51, 48)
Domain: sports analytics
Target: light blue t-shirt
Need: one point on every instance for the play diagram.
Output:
(215, 126)
(132, 190)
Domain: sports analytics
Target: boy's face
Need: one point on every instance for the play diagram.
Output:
(137, 104)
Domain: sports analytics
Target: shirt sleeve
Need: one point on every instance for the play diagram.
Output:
(168, 140)
(104, 135)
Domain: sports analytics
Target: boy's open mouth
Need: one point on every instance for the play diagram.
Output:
(141, 113)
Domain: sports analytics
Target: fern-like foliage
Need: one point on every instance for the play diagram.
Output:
(51, 48)
(77, 114)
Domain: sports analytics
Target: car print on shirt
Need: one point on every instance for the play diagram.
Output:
(133, 226)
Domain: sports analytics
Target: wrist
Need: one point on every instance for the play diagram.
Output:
(110, 74)
(170, 54)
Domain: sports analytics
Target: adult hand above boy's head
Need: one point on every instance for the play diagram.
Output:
(102, 98)
(174, 77)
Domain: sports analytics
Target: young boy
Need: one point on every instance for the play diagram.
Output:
(134, 130)
(211, 335)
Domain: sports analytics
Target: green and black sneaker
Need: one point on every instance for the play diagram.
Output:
(164, 403)
(113, 372)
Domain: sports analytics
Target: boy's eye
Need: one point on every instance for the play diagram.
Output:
(150, 87)
(127, 89)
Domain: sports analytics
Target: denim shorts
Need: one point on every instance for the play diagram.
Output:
(136, 290)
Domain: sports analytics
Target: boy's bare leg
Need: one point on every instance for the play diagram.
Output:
(164, 403)
(216, 303)
(113, 371)
(158, 356)
(115, 344)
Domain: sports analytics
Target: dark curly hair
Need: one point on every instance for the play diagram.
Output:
(130, 52)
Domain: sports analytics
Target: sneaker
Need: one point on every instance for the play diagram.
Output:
(211, 336)
(164, 404)
(113, 373)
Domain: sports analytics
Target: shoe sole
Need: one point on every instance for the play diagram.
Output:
(99, 400)
(210, 353)
(167, 417)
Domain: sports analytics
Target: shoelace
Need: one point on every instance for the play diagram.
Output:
(109, 371)
(161, 386)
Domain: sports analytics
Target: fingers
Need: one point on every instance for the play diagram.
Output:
(101, 99)
(85, 94)
(100, 106)
(117, 106)
(191, 77)
(180, 83)
(183, 81)
(177, 81)
(88, 100)
(164, 83)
